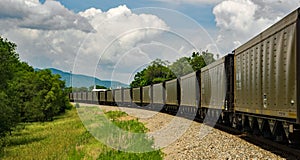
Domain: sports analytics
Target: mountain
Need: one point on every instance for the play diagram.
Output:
(79, 80)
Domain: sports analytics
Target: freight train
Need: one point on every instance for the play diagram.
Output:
(254, 89)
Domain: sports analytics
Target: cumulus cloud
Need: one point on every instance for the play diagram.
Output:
(45, 41)
(239, 20)
(197, 2)
(33, 15)
(118, 32)
(121, 39)
(235, 15)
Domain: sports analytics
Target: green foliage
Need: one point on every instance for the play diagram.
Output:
(208, 57)
(6, 115)
(133, 126)
(115, 114)
(64, 138)
(39, 96)
(160, 71)
(9, 60)
(198, 61)
(25, 94)
(81, 89)
(118, 155)
(8, 66)
(77, 105)
(182, 67)
(156, 72)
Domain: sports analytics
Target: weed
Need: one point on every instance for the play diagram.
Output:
(67, 138)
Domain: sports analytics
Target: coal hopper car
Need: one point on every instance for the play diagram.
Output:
(267, 82)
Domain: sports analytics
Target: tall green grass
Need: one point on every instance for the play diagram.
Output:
(67, 138)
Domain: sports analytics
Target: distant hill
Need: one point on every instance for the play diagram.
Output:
(85, 81)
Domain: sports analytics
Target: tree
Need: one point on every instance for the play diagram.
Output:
(156, 72)
(181, 67)
(208, 57)
(6, 116)
(139, 79)
(9, 61)
(38, 96)
(81, 89)
(197, 61)
(49, 98)
(159, 70)
(25, 94)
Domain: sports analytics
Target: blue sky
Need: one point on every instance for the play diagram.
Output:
(112, 39)
(201, 13)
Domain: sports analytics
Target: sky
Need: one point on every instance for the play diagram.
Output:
(113, 39)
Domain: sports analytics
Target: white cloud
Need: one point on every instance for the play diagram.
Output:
(235, 15)
(240, 20)
(33, 15)
(48, 44)
(197, 2)
(49, 35)
(118, 31)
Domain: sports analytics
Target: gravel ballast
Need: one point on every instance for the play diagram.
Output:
(193, 140)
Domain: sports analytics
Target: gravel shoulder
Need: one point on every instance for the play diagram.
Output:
(180, 138)
(200, 141)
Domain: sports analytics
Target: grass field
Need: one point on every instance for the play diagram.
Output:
(67, 138)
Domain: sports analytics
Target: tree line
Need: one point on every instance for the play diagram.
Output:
(27, 95)
(160, 71)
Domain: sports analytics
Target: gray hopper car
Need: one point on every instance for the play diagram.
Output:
(136, 97)
(118, 96)
(217, 88)
(172, 95)
(127, 97)
(267, 80)
(158, 96)
(190, 92)
(147, 95)
(109, 97)
(102, 97)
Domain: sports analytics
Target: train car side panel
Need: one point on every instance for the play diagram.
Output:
(109, 96)
(95, 97)
(126, 95)
(146, 95)
(118, 96)
(158, 93)
(102, 97)
(79, 96)
(84, 97)
(136, 96)
(189, 90)
(172, 92)
(89, 97)
(298, 66)
(213, 85)
(265, 72)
